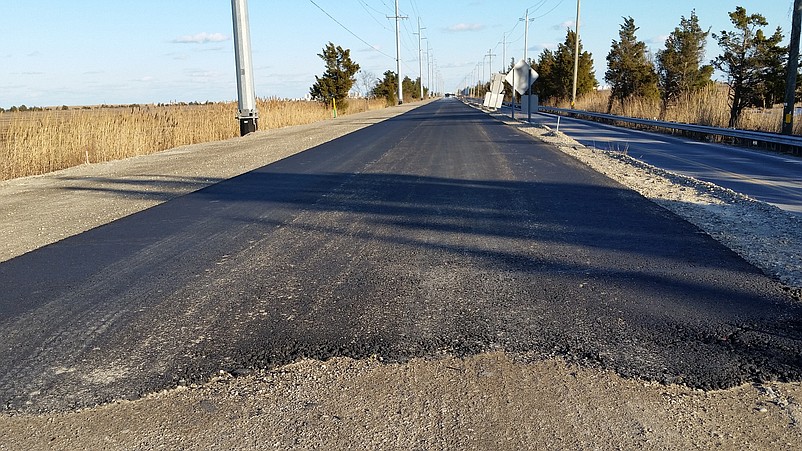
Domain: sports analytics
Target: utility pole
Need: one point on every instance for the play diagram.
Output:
(247, 113)
(420, 58)
(793, 61)
(576, 58)
(482, 79)
(429, 57)
(398, 18)
(503, 52)
(528, 72)
(490, 56)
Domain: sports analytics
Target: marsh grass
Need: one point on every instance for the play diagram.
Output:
(708, 106)
(34, 143)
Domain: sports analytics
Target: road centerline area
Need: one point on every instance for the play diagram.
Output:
(438, 231)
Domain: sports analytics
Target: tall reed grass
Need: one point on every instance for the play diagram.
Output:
(709, 106)
(34, 143)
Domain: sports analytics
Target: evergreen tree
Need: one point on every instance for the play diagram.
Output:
(411, 89)
(679, 64)
(748, 60)
(339, 77)
(388, 88)
(546, 87)
(774, 58)
(564, 69)
(629, 70)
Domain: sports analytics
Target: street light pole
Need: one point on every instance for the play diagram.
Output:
(247, 113)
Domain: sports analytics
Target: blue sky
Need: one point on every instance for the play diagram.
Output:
(88, 52)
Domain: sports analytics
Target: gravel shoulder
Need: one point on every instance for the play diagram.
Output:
(490, 400)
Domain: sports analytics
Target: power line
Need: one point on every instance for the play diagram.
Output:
(549, 11)
(365, 7)
(352, 33)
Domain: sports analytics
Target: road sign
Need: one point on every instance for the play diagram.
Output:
(519, 78)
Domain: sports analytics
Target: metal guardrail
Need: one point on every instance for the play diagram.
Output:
(773, 138)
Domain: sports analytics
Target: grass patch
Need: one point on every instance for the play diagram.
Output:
(39, 142)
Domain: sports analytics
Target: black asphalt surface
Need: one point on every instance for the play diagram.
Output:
(769, 177)
(438, 231)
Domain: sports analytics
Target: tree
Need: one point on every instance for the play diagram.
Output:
(774, 60)
(679, 64)
(546, 86)
(366, 82)
(388, 88)
(629, 71)
(338, 79)
(556, 71)
(746, 53)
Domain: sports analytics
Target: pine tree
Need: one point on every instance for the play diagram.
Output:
(546, 86)
(748, 61)
(679, 64)
(388, 88)
(339, 77)
(774, 59)
(629, 70)
(564, 69)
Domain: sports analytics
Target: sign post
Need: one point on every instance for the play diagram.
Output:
(521, 80)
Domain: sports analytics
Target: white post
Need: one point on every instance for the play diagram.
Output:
(246, 95)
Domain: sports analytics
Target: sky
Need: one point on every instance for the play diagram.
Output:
(88, 52)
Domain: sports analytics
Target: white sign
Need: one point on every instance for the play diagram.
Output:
(521, 79)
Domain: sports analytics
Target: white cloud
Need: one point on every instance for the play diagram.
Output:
(657, 40)
(564, 25)
(465, 27)
(543, 46)
(201, 38)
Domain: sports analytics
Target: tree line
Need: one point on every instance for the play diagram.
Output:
(340, 77)
(752, 60)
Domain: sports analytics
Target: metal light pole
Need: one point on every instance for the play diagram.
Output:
(576, 58)
(248, 115)
(793, 61)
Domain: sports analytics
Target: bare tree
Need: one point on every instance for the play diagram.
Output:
(366, 82)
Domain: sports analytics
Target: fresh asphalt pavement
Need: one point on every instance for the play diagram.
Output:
(769, 177)
(438, 231)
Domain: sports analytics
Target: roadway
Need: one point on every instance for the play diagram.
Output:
(438, 231)
(769, 177)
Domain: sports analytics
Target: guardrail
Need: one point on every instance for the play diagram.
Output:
(794, 142)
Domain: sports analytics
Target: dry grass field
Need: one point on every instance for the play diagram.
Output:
(37, 142)
(706, 107)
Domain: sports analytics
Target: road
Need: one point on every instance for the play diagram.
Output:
(772, 178)
(438, 231)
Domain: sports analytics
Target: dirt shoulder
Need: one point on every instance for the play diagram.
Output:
(482, 402)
